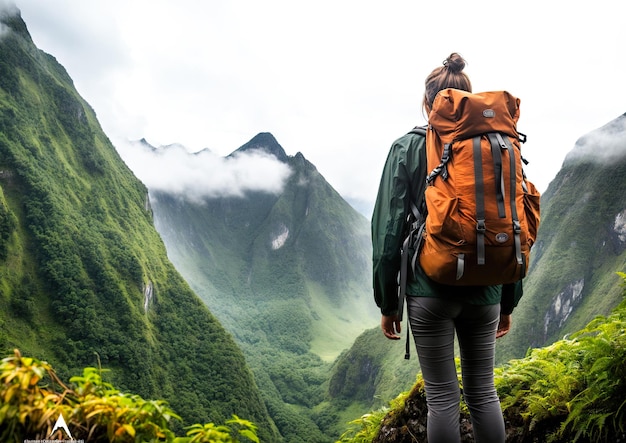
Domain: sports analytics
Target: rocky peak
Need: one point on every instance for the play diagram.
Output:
(266, 142)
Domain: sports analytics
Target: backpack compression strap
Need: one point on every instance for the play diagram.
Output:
(516, 224)
(498, 143)
(442, 169)
(480, 204)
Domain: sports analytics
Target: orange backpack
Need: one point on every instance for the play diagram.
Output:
(482, 212)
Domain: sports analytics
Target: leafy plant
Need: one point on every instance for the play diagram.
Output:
(364, 428)
(210, 432)
(93, 409)
(579, 383)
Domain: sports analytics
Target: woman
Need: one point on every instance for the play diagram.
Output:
(478, 314)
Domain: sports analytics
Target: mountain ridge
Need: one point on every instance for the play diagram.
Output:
(287, 273)
(580, 244)
(264, 142)
(85, 280)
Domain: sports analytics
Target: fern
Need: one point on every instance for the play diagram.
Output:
(581, 382)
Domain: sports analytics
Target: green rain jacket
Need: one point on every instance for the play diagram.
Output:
(404, 179)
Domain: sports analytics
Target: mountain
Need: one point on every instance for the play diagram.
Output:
(84, 275)
(287, 272)
(304, 247)
(580, 246)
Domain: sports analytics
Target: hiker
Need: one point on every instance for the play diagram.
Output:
(478, 314)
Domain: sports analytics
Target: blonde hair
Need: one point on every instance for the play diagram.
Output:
(450, 75)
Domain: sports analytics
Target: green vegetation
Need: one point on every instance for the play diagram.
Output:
(573, 390)
(84, 275)
(372, 371)
(32, 398)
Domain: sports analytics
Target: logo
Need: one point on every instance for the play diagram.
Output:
(489, 113)
(59, 427)
(502, 237)
(60, 424)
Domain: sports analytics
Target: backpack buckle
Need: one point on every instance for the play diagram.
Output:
(480, 226)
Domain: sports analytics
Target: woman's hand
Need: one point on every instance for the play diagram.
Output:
(504, 326)
(390, 325)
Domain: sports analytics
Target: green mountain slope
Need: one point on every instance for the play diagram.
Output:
(84, 276)
(581, 244)
(372, 371)
(304, 247)
(288, 273)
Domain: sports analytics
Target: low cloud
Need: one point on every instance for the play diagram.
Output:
(604, 145)
(7, 8)
(196, 176)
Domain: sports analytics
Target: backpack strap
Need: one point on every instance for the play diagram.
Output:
(480, 203)
(421, 208)
(504, 143)
(442, 169)
(497, 144)
(421, 130)
(516, 223)
(415, 221)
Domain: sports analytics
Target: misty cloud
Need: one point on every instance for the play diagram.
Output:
(603, 145)
(196, 176)
(8, 6)
(9, 9)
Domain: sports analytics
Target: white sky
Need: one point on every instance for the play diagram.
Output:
(336, 80)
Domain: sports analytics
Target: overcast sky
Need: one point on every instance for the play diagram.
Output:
(336, 80)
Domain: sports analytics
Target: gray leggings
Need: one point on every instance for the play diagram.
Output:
(433, 323)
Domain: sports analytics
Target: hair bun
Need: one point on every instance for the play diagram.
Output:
(454, 62)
